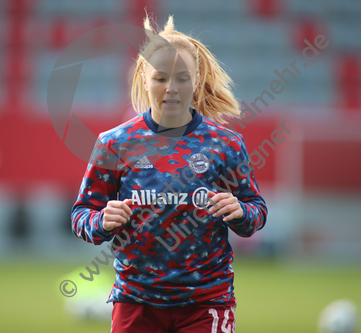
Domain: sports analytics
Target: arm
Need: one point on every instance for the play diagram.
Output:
(239, 196)
(99, 185)
(88, 211)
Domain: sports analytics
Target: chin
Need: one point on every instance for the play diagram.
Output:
(172, 112)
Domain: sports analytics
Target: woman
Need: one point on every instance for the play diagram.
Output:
(181, 180)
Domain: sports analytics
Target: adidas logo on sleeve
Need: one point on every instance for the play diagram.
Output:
(144, 163)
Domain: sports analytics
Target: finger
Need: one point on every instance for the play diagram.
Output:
(128, 202)
(212, 198)
(121, 205)
(214, 207)
(210, 194)
(221, 200)
(121, 209)
(116, 203)
(113, 210)
(125, 215)
(219, 196)
(235, 215)
(124, 205)
(117, 218)
(229, 208)
(116, 212)
(109, 226)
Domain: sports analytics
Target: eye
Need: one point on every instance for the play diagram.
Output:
(160, 79)
(183, 78)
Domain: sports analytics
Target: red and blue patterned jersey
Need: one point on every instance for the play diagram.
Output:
(171, 252)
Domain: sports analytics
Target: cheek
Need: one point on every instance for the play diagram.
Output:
(187, 92)
(156, 93)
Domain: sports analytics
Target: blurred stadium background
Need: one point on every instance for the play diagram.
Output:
(309, 252)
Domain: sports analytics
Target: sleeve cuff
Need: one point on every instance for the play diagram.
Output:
(245, 214)
(101, 230)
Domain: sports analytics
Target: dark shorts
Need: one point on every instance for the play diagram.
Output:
(201, 318)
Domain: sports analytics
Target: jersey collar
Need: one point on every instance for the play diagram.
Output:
(173, 132)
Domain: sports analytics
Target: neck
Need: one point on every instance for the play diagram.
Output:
(171, 122)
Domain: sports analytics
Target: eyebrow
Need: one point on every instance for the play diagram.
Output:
(164, 73)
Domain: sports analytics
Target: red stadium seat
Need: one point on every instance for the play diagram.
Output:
(58, 36)
(348, 78)
(307, 29)
(267, 8)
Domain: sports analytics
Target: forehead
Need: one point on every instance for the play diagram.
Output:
(163, 60)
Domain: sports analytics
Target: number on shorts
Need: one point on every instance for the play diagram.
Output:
(225, 328)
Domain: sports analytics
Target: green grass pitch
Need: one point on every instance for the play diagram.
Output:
(272, 298)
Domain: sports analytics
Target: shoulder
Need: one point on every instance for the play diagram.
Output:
(221, 130)
(122, 130)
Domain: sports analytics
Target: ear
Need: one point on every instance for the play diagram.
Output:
(145, 83)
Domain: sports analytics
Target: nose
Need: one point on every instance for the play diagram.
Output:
(172, 86)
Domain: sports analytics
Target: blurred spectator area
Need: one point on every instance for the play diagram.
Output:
(319, 159)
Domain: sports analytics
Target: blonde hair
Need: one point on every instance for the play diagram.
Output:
(212, 98)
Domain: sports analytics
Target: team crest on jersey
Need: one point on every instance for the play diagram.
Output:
(199, 163)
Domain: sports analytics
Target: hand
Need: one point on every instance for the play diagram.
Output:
(116, 213)
(223, 203)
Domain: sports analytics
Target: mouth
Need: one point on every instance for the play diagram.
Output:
(171, 102)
